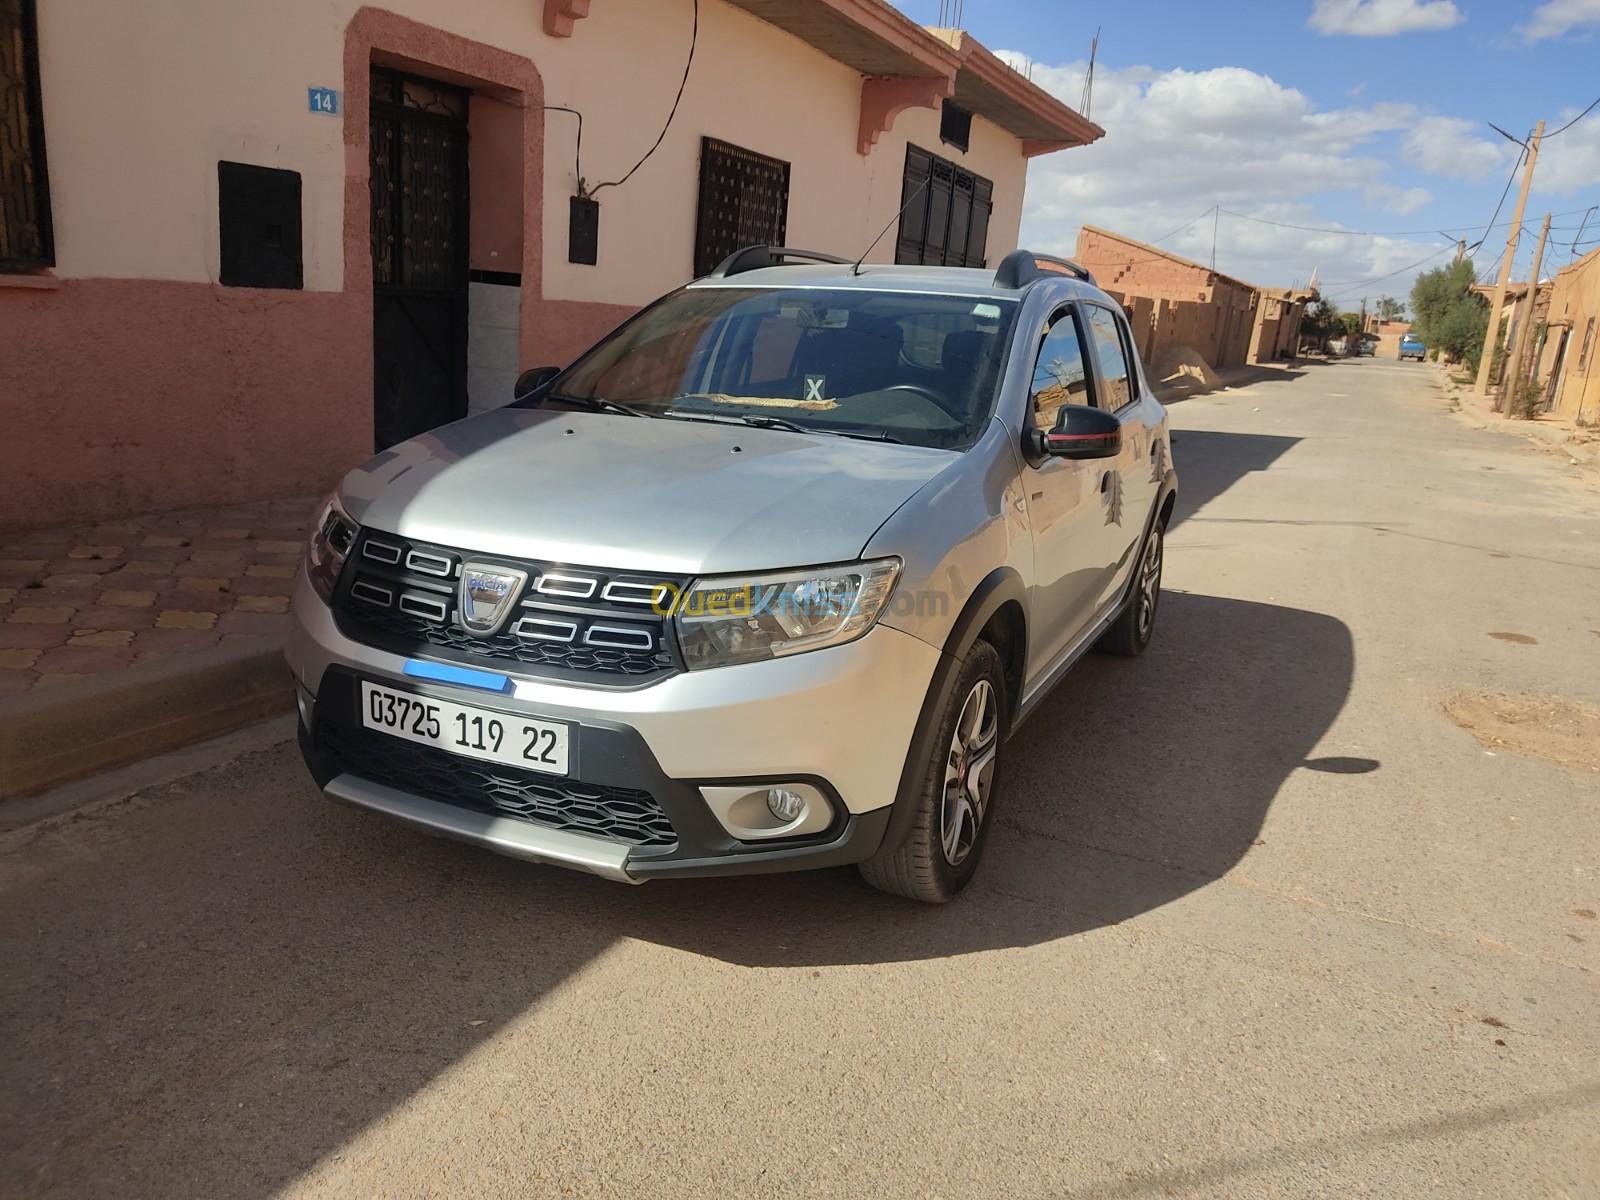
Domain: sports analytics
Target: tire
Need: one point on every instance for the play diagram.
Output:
(1130, 633)
(955, 805)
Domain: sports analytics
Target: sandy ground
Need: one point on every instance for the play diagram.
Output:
(1260, 919)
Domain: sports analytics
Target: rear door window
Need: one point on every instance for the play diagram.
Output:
(1120, 384)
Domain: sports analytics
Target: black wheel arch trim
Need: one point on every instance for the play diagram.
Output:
(1001, 586)
(1167, 490)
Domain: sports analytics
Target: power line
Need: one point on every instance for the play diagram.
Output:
(694, 39)
(1181, 228)
(1373, 232)
(1504, 192)
(1575, 119)
(1356, 285)
(1573, 253)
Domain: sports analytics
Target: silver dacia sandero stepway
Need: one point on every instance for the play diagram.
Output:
(762, 582)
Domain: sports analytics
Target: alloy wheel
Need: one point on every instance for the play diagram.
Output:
(1150, 584)
(969, 772)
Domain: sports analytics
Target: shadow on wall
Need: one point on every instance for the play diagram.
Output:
(322, 963)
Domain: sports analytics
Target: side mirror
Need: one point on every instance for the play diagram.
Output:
(533, 380)
(1081, 432)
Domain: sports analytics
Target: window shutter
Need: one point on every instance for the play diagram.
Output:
(948, 224)
(978, 233)
(914, 202)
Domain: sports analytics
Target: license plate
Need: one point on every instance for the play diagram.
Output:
(482, 733)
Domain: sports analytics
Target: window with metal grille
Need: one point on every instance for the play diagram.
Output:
(945, 221)
(26, 240)
(744, 201)
(955, 126)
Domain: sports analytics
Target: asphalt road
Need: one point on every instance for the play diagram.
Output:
(1258, 920)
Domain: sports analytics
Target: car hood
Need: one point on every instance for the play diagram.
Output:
(624, 492)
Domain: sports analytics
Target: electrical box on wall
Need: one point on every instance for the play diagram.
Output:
(583, 231)
(258, 216)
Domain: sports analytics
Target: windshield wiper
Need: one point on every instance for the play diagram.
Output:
(764, 422)
(761, 422)
(600, 404)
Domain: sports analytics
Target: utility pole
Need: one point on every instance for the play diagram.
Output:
(1492, 338)
(1461, 249)
(1511, 388)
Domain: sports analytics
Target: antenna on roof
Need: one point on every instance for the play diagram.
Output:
(915, 192)
(1088, 79)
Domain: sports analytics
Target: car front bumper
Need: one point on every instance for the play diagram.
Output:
(839, 719)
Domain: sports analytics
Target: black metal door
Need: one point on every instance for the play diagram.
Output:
(419, 255)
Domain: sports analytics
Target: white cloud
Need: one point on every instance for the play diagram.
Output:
(1399, 200)
(1454, 147)
(1555, 18)
(1179, 141)
(1385, 18)
(1571, 162)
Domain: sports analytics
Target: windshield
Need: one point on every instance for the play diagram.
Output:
(911, 368)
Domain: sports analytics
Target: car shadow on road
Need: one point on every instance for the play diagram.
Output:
(1135, 783)
(213, 989)
(1210, 462)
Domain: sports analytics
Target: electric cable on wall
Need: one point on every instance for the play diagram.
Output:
(694, 39)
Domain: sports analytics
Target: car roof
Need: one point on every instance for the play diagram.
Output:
(974, 282)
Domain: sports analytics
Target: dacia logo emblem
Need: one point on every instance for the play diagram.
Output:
(487, 595)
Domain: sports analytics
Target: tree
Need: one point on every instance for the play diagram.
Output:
(1319, 322)
(1349, 323)
(1449, 316)
(1390, 309)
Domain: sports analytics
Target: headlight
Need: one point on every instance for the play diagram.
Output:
(753, 617)
(332, 538)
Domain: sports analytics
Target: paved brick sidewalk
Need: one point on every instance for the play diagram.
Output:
(86, 599)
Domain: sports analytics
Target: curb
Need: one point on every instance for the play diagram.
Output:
(63, 733)
(1553, 437)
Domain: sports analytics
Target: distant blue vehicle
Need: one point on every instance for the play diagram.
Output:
(1411, 347)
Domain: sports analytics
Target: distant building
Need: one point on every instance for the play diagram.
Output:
(1174, 301)
(1277, 328)
(1514, 310)
(1387, 334)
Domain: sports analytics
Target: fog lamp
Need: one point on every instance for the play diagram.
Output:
(752, 812)
(785, 805)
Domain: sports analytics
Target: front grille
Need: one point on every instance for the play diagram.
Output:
(628, 815)
(401, 595)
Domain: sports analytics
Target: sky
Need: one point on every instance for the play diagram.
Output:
(1361, 115)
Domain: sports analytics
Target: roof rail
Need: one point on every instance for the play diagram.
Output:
(1022, 267)
(753, 258)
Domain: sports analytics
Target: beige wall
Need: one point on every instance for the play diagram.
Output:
(1193, 307)
(232, 393)
(1575, 298)
(133, 183)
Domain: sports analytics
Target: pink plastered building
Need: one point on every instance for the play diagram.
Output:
(243, 244)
